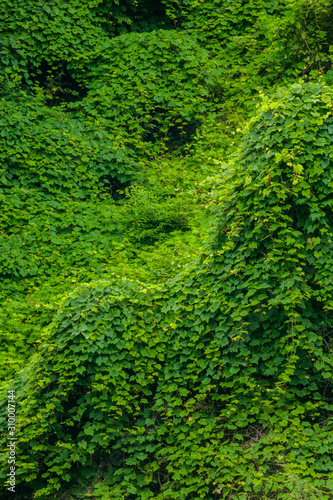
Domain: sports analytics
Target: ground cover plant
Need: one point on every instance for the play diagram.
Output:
(166, 248)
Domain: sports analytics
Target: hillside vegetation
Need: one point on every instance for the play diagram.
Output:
(166, 248)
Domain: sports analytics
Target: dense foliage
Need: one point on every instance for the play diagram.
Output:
(166, 272)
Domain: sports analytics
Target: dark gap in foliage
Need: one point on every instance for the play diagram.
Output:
(184, 135)
(144, 16)
(114, 187)
(59, 85)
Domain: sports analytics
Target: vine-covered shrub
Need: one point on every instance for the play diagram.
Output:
(303, 38)
(258, 44)
(218, 383)
(152, 86)
(37, 35)
(37, 32)
(54, 173)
